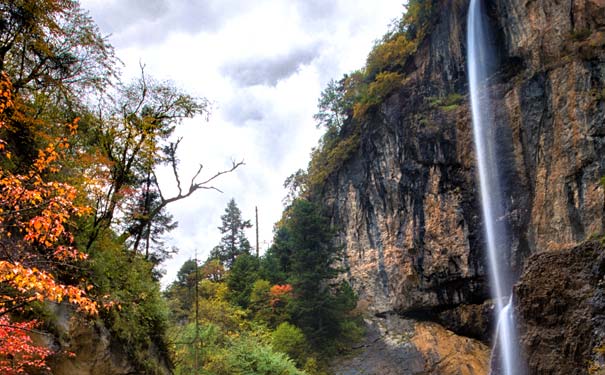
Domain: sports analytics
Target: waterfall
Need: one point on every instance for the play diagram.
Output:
(505, 358)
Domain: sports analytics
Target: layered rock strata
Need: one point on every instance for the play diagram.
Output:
(406, 202)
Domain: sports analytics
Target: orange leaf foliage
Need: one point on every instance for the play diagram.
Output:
(279, 293)
(17, 352)
(34, 284)
(35, 216)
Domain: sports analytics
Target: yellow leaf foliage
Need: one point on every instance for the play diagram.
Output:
(34, 217)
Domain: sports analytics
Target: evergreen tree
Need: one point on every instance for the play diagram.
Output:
(275, 264)
(185, 278)
(146, 232)
(241, 278)
(304, 247)
(234, 241)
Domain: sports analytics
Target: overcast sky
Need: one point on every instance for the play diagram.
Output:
(263, 65)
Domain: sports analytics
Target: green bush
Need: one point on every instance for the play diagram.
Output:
(247, 356)
(312, 367)
(383, 85)
(448, 103)
(139, 317)
(289, 339)
(389, 55)
(327, 160)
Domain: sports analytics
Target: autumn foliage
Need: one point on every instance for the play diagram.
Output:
(17, 352)
(279, 294)
(35, 241)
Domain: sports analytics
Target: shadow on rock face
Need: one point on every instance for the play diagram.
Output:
(396, 346)
(561, 310)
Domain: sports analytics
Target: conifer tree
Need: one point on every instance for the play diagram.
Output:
(234, 241)
(306, 253)
(241, 278)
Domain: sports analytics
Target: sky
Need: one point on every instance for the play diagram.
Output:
(263, 65)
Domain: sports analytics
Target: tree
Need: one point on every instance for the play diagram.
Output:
(212, 270)
(234, 241)
(133, 137)
(130, 136)
(296, 186)
(185, 278)
(146, 233)
(241, 278)
(307, 250)
(333, 106)
(289, 339)
(53, 46)
(181, 293)
(17, 352)
(36, 246)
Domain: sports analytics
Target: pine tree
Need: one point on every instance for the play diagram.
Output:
(305, 251)
(147, 231)
(234, 241)
(241, 278)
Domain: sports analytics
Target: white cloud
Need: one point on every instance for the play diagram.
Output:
(285, 51)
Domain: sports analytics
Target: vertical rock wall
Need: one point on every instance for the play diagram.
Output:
(406, 204)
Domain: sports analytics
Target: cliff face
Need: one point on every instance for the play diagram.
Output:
(406, 203)
(561, 310)
(94, 350)
(398, 346)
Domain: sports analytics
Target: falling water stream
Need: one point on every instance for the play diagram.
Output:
(505, 358)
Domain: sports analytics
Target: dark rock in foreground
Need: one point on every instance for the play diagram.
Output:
(561, 308)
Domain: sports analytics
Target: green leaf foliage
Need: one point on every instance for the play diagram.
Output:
(289, 339)
(181, 293)
(138, 319)
(241, 278)
(246, 356)
(233, 241)
(345, 105)
(308, 253)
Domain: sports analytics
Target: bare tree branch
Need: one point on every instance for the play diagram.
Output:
(218, 174)
(193, 186)
(173, 160)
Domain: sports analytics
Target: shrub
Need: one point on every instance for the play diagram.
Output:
(289, 339)
(384, 84)
(389, 55)
(448, 103)
(248, 356)
(140, 317)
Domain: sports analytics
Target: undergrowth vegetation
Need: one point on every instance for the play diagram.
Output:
(284, 313)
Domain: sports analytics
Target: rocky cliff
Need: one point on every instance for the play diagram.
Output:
(561, 310)
(85, 346)
(396, 346)
(406, 203)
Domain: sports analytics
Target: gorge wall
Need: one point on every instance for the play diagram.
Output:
(85, 346)
(406, 203)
